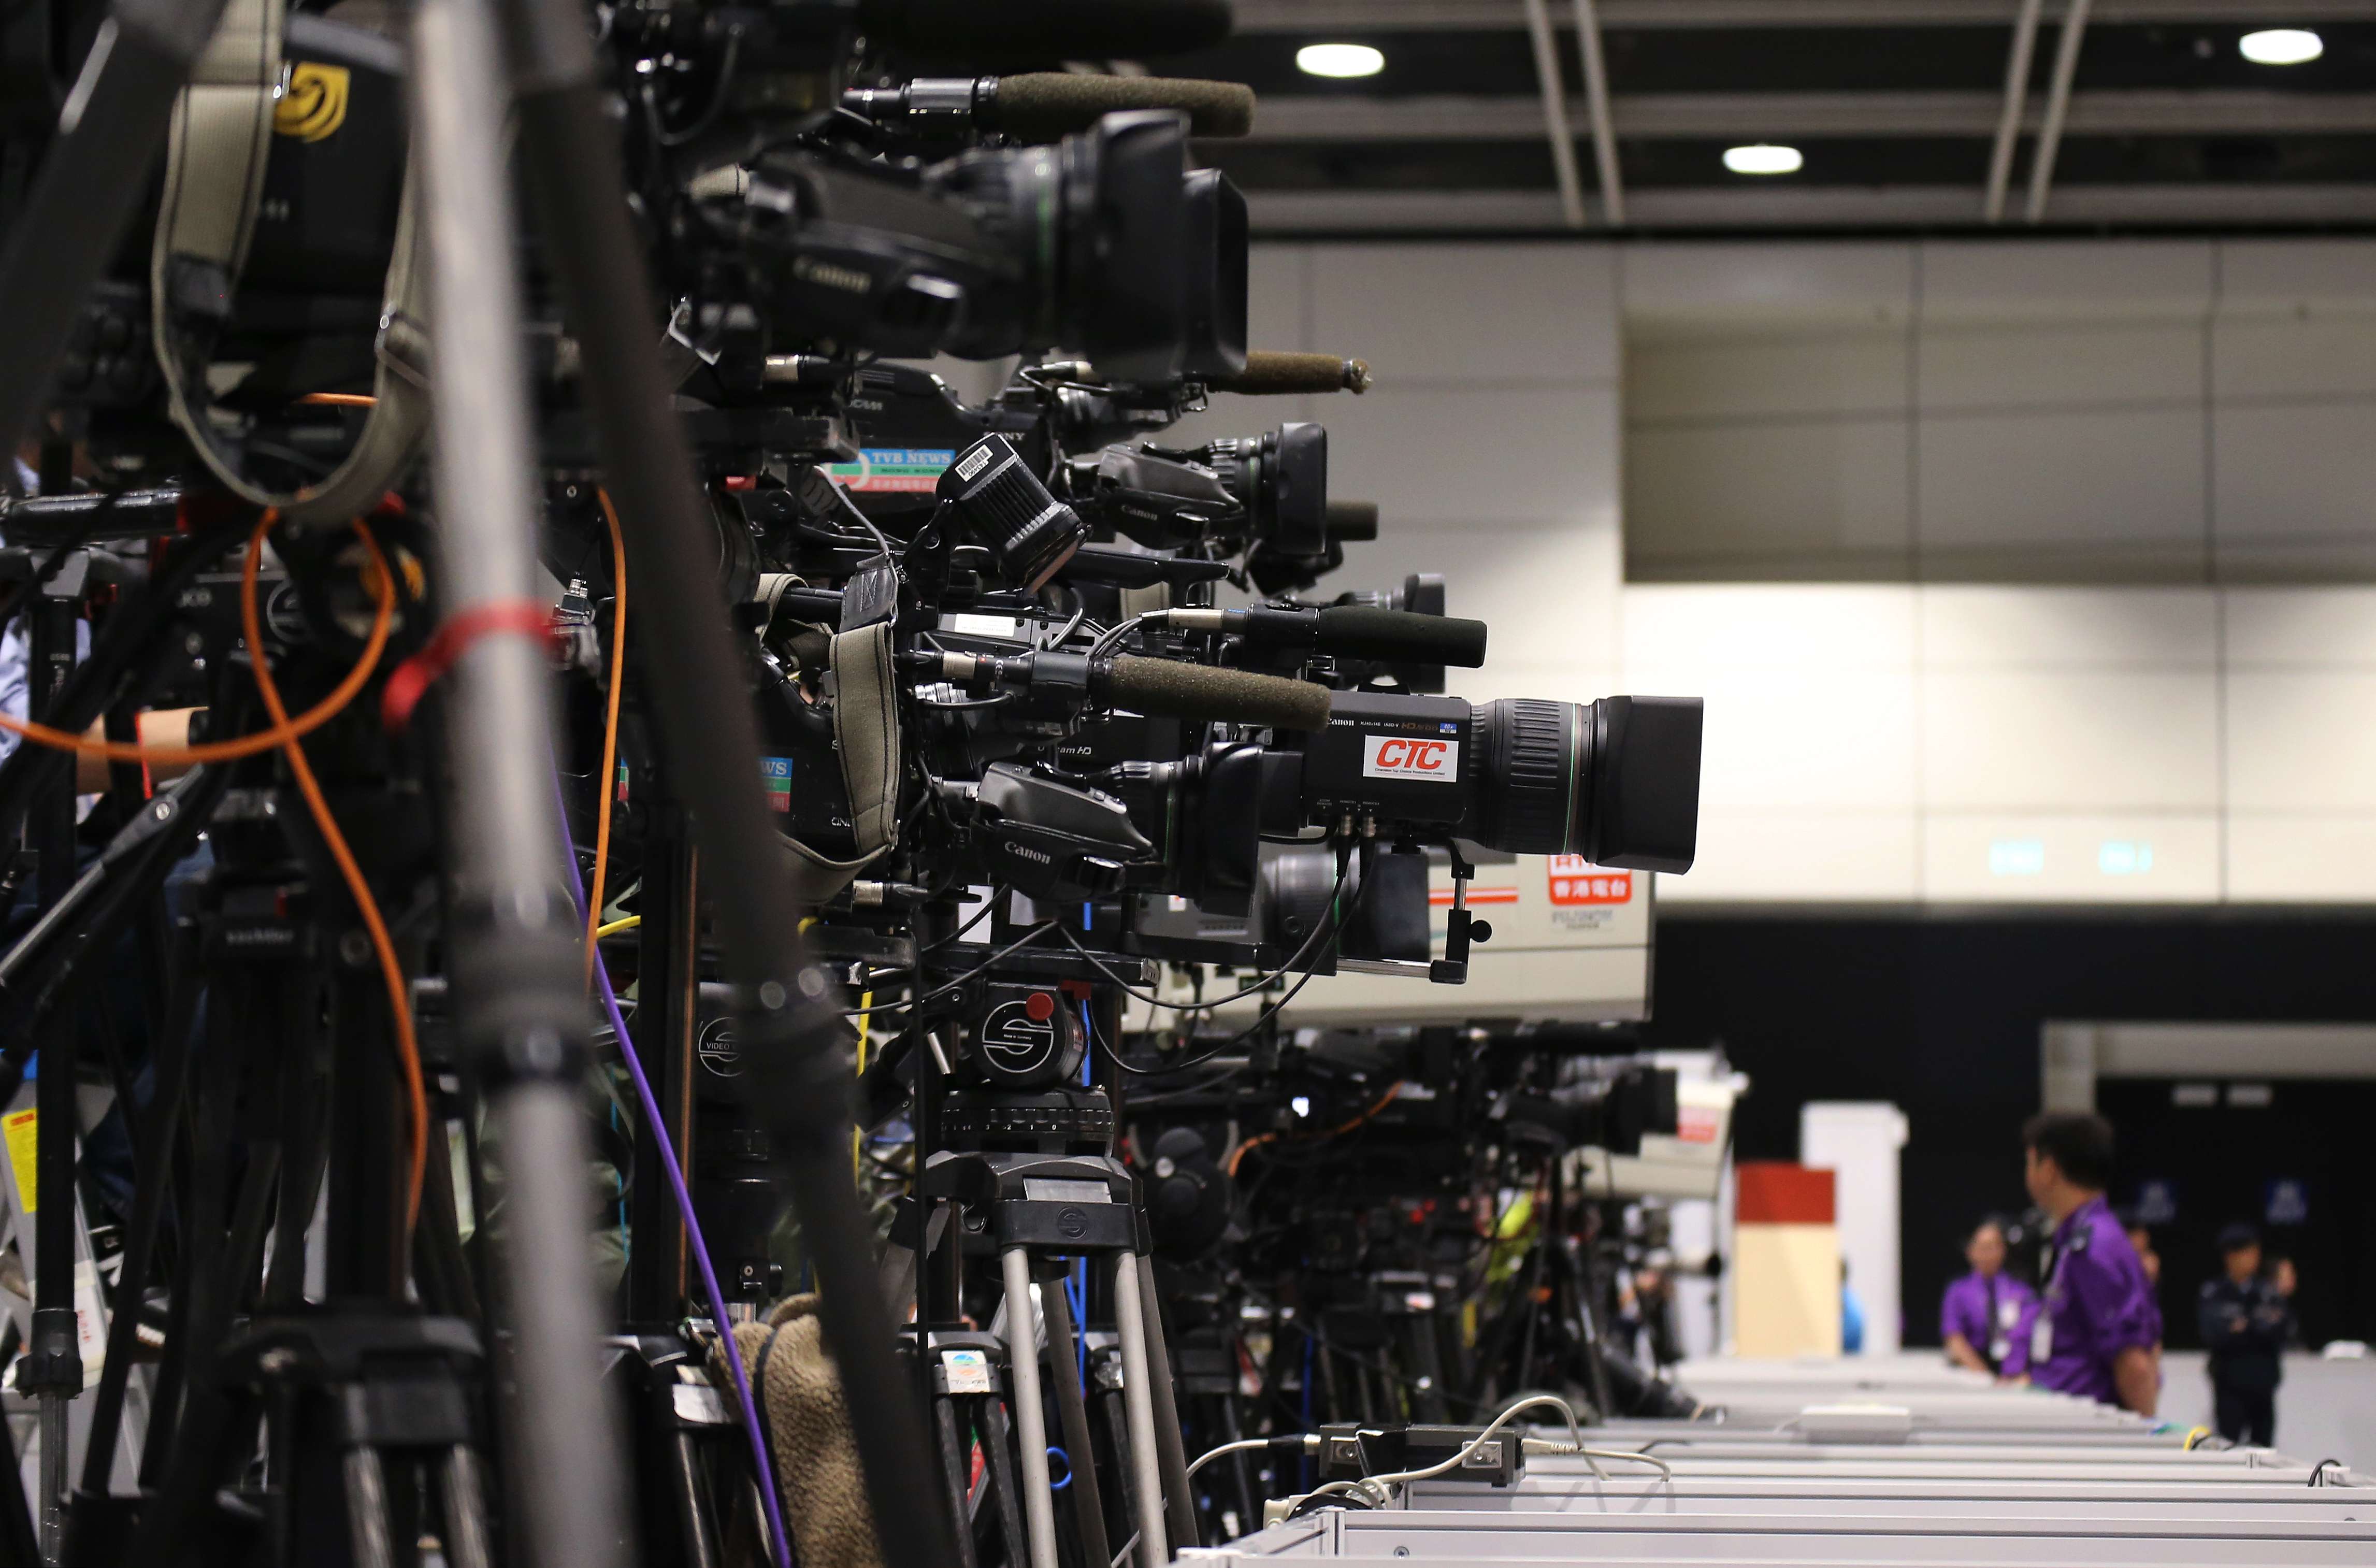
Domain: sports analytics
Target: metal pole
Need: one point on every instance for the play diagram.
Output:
(1138, 1409)
(520, 1002)
(1604, 124)
(54, 1369)
(1171, 1452)
(1030, 1417)
(2016, 93)
(790, 1032)
(1554, 90)
(2057, 106)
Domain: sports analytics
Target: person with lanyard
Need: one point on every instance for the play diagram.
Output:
(1979, 1315)
(2092, 1330)
(2245, 1322)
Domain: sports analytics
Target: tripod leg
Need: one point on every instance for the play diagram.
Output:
(1171, 1450)
(1072, 1413)
(1138, 1409)
(953, 1471)
(367, 1509)
(1000, 1475)
(1031, 1421)
(466, 1511)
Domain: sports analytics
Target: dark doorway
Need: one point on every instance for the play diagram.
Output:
(2287, 1156)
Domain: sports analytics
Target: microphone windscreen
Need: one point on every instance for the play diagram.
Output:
(1168, 688)
(986, 30)
(1357, 631)
(1352, 522)
(1041, 106)
(1269, 373)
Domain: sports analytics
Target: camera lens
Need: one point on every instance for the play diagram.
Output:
(1215, 302)
(1281, 479)
(1616, 781)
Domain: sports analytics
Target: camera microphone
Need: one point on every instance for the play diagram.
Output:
(1348, 631)
(1046, 30)
(1167, 688)
(1269, 373)
(1046, 106)
(1157, 687)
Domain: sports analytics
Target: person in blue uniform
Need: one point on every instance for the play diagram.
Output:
(1981, 1312)
(2093, 1331)
(2245, 1326)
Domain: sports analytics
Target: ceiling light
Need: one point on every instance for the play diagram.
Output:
(1763, 159)
(1339, 59)
(2281, 46)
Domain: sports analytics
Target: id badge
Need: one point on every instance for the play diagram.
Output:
(2008, 1315)
(1999, 1348)
(2041, 1341)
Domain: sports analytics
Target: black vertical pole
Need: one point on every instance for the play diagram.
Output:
(54, 1369)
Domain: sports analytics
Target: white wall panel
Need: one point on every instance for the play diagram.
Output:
(2077, 279)
(1440, 312)
(2301, 857)
(1692, 284)
(2019, 858)
(1758, 626)
(2293, 626)
(2069, 739)
(2304, 354)
(2296, 472)
(1820, 489)
(2302, 740)
(2050, 480)
(1797, 375)
(2288, 274)
(2064, 365)
(1806, 857)
(2027, 627)
(1480, 455)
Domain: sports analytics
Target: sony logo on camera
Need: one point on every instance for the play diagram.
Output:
(1411, 757)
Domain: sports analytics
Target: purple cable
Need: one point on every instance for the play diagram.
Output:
(746, 1397)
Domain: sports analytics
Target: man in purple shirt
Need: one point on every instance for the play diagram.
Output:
(1980, 1314)
(2092, 1334)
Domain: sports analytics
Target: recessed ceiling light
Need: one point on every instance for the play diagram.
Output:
(1763, 158)
(1339, 59)
(2281, 46)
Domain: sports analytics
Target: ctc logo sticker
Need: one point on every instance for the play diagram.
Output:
(1411, 757)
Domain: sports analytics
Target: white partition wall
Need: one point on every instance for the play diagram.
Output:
(2013, 574)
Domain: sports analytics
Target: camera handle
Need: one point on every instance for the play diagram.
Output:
(1460, 926)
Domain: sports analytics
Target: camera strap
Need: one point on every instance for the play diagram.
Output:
(215, 162)
(866, 735)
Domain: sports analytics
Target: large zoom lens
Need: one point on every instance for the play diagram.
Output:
(1104, 243)
(1617, 781)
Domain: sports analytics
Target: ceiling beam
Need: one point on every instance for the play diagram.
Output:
(1595, 101)
(2016, 94)
(1554, 102)
(2058, 108)
(1694, 116)
(1387, 16)
(1805, 207)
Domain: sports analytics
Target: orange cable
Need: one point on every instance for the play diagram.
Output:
(606, 787)
(240, 746)
(408, 1048)
(1339, 1131)
(339, 400)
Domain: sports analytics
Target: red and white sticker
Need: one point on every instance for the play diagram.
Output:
(1411, 757)
(1696, 1124)
(1576, 881)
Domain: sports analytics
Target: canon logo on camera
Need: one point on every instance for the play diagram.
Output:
(1411, 757)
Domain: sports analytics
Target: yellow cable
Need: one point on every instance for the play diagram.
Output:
(615, 927)
(607, 787)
